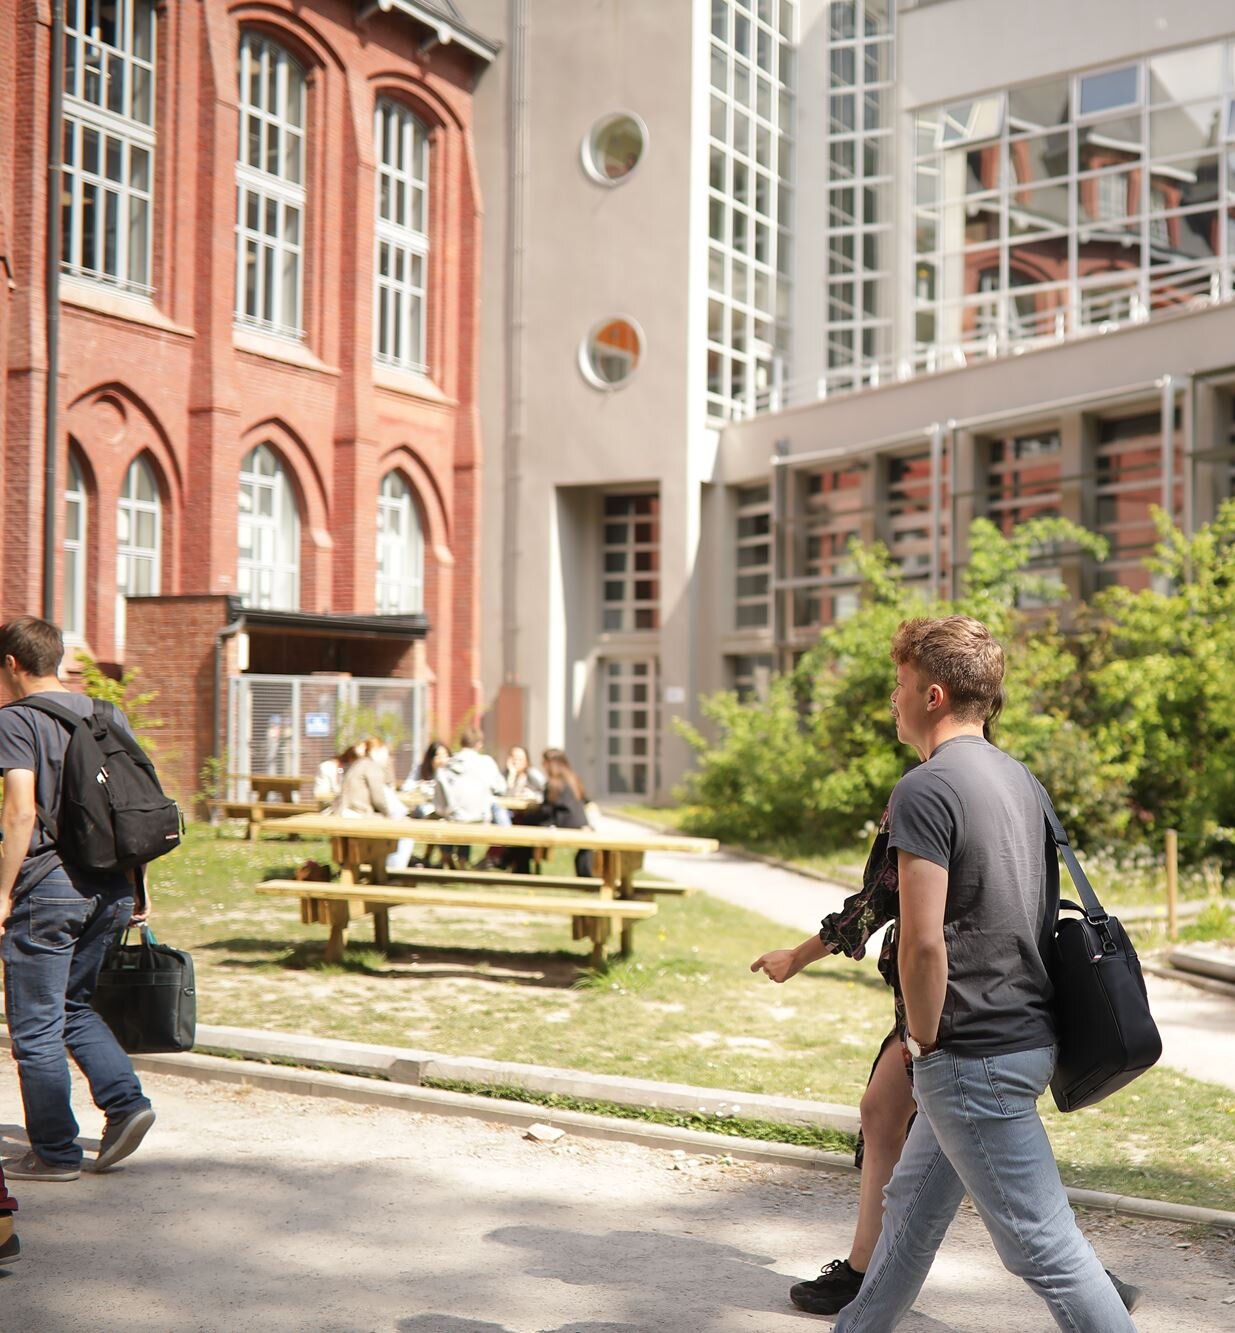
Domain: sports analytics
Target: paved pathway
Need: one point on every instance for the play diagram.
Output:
(1198, 1028)
(248, 1211)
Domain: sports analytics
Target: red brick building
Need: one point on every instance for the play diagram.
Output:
(267, 450)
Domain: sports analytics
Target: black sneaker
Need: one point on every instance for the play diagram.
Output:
(1130, 1295)
(830, 1292)
(10, 1252)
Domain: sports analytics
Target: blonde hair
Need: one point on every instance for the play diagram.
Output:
(959, 653)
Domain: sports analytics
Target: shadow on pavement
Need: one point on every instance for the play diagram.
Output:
(623, 1258)
(413, 962)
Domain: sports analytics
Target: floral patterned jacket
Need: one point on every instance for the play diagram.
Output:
(874, 905)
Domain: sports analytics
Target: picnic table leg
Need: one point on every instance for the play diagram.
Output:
(339, 917)
(381, 927)
(630, 862)
(255, 818)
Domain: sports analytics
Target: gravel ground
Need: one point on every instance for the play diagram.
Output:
(258, 1210)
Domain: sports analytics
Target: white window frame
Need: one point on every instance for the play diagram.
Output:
(401, 249)
(400, 548)
(270, 582)
(274, 245)
(752, 502)
(75, 497)
(621, 611)
(751, 128)
(130, 553)
(120, 195)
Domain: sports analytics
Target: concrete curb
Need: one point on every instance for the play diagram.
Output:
(413, 1068)
(435, 1101)
(404, 1069)
(438, 1101)
(1194, 979)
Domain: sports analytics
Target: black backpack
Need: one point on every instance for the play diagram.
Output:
(114, 815)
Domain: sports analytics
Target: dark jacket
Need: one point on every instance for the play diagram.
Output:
(560, 808)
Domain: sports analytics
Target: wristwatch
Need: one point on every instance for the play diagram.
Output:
(916, 1048)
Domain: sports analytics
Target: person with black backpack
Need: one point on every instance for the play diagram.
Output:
(68, 884)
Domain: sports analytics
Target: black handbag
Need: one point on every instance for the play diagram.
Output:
(1107, 1036)
(146, 995)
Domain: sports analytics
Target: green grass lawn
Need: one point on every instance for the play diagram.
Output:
(685, 1008)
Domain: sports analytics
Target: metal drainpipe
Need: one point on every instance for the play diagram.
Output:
(781, 535)
(55, 134)
(227, 632)
(936, 434)
(1168, 446)
(516, 401)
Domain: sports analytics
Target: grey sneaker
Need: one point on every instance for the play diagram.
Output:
(123, 1137)
(32, 1167)
(1130, 1295)
(10, 1252)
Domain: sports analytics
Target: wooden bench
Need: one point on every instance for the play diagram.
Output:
(260, 785)
(255, 812)
(331, 905)
(415, 875)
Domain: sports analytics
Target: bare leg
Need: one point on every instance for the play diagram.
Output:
(886, 1108)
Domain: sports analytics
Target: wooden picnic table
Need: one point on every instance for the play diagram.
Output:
(361, 845)
(284, 785)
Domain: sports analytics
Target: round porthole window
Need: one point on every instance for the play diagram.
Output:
(613, 149)
(611, 353)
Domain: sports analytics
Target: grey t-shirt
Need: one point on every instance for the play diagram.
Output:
(36, 742)
(974, 811)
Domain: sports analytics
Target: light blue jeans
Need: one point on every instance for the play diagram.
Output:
(978, 1133)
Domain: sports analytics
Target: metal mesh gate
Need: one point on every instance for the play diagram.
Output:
(291, 724)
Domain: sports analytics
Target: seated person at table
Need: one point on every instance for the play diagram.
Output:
(521, 778)
(420, 785)
(366, 790)
(562, 806)
(328, 781)
(468, 783)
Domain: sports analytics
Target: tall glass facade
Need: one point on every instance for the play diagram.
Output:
(1076, 204)
(750, 151)
(858, 303)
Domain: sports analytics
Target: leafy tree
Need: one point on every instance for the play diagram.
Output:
(819, 756)
(1158, 670)
(123, 693)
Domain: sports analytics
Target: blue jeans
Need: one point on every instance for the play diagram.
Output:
(54, 944)
(978, 1132)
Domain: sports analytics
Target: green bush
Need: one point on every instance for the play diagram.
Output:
(819, 755)
(1157, 670)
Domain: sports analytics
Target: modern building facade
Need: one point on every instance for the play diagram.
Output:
(257, 299)
(636, 160)
(855, 269)
(1055, 264)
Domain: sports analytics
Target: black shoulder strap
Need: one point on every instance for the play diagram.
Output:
(1093, 908)
(42, 704)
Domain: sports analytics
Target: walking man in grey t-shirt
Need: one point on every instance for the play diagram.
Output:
(979, 891)
(58, 921)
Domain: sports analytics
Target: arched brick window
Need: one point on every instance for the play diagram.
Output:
(400, 549)
(139, 536)
(270, 188)
(401, 236)
(268, 561)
